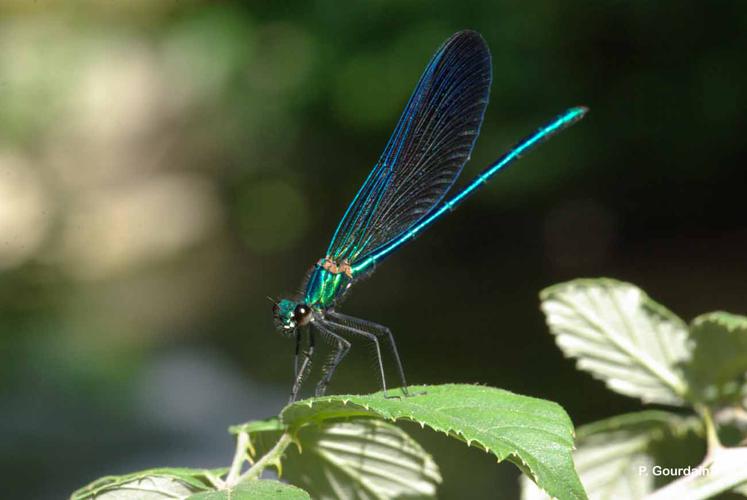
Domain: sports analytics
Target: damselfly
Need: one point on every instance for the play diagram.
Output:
(401, 197)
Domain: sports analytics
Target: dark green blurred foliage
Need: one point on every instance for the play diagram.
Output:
(164, 166)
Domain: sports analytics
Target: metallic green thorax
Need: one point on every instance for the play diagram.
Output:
(324, 287)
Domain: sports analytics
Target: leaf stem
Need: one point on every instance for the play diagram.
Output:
(712, 439)
(272, 457)
(242, 442)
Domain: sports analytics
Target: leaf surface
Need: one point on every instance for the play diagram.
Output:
(718, 367)
(359, 458)
(258, 489)
(621, 336)
(152, 484)
(364, 458)
(616, 456)
(535, 434)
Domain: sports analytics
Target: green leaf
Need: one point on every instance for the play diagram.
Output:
(621, 336)
(534, 434)
(152, 484)
(616, 457)
(257, 426)
(723, 470)
(260, 489)
(361, 458)
(718, 367)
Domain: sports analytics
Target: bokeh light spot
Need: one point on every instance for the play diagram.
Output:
(113, 230)
(23, 212)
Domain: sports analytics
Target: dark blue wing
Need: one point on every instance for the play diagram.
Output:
(430, 144)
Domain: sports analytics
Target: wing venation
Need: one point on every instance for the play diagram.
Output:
(430, 144)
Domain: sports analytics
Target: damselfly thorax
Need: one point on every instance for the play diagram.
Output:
(328, 282)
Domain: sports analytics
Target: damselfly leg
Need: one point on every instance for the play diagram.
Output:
(340, 348)
(301, 373)
(376, 333)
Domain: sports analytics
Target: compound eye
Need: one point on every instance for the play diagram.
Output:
(301, 313)
(275, 309)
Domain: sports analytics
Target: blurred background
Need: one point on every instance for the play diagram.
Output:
(165, 166)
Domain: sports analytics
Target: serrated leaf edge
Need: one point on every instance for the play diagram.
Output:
(446, 431)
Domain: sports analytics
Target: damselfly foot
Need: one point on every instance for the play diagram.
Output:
(406, 393)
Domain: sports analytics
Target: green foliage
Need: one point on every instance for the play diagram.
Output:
(360, 458)
(641, 349)
(346, 446)
(719, 357)
(534, 434)
(616, 332)
(262, 489)
(152, 484)
(615, 456)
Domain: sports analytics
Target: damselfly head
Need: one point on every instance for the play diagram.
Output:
(282, 312)
(289, 314)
